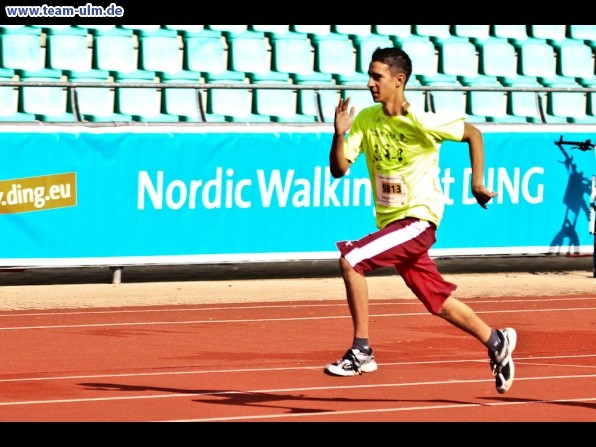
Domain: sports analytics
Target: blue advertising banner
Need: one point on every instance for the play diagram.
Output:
(79, 196)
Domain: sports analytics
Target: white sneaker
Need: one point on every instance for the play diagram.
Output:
(501, 361)
(354, 362)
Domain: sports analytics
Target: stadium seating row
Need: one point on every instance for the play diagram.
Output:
(443, 55)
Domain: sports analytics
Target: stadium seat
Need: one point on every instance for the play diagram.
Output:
(457, 56)
(445, 101)
(359, 97)
(186, 103)
(205, 52)
(536, 58)
(423, 54)
(94, 104)
(279, 104)
(491, 105)
(527, 104)
(326, 99)
(365, 46)
(270, 30)
(248, 52)
(114, 50)
(47, 103)
(548, 32)
(335, 54)
(312, 30)
(228, 28)
(160, 51)
(497, 57)
(399, 31)
(591, 98)
(480, 32)
(188, 28)
(9, 100)
(233, 103)
(517, 32)
(428, 30)
(20, 48)
(293, 53)
(138, 28)
(68, 49)
(587, 33)
(143, 103)
(352, 30)
(568, 105)
(574, 59)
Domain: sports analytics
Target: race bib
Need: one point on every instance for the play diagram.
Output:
(391, 190)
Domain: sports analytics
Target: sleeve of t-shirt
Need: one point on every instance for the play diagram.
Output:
(445, 126)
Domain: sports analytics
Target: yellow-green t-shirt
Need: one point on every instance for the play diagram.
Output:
(402, 156)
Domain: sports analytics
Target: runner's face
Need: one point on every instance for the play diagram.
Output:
(381, 83)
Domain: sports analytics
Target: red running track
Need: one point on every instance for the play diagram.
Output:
(263, 362)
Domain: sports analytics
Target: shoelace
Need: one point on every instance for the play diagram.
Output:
(354, 360)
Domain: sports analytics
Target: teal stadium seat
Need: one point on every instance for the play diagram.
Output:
(365, 46)
(138, 28)
(160, 51)
(293, 53)
(143, 103)
(335, 54)
(271, 30)
(352, 30)
(536, 58)
(428, 30)
(205, 52)
(574, 59)
(526, 104)
(186, 103)
(228, 28)
(457, 56)
(114, 50)
(185, 28)
(480, 32)
(423, 54)
(312, 30)
(568, 105)
(68, 49)
(497, 57)
(398, 31)
(359, 98)
(587, 33)
(548, 32)
(248, 52)
(490, 105)
(20, 48)
(47, 103)
(591, 97)
(9, 100)
(233, 103)
(446, 101)
(511, 31)
(320, 103)
(94, 104)
(279, 104)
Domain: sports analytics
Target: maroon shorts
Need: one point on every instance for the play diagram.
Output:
(403, 244)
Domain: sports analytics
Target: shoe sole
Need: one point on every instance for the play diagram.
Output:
(512, 337)
(336, 371)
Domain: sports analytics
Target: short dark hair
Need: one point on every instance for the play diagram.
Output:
(397, 59)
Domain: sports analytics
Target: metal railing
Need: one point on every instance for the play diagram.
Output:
(201, 88)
